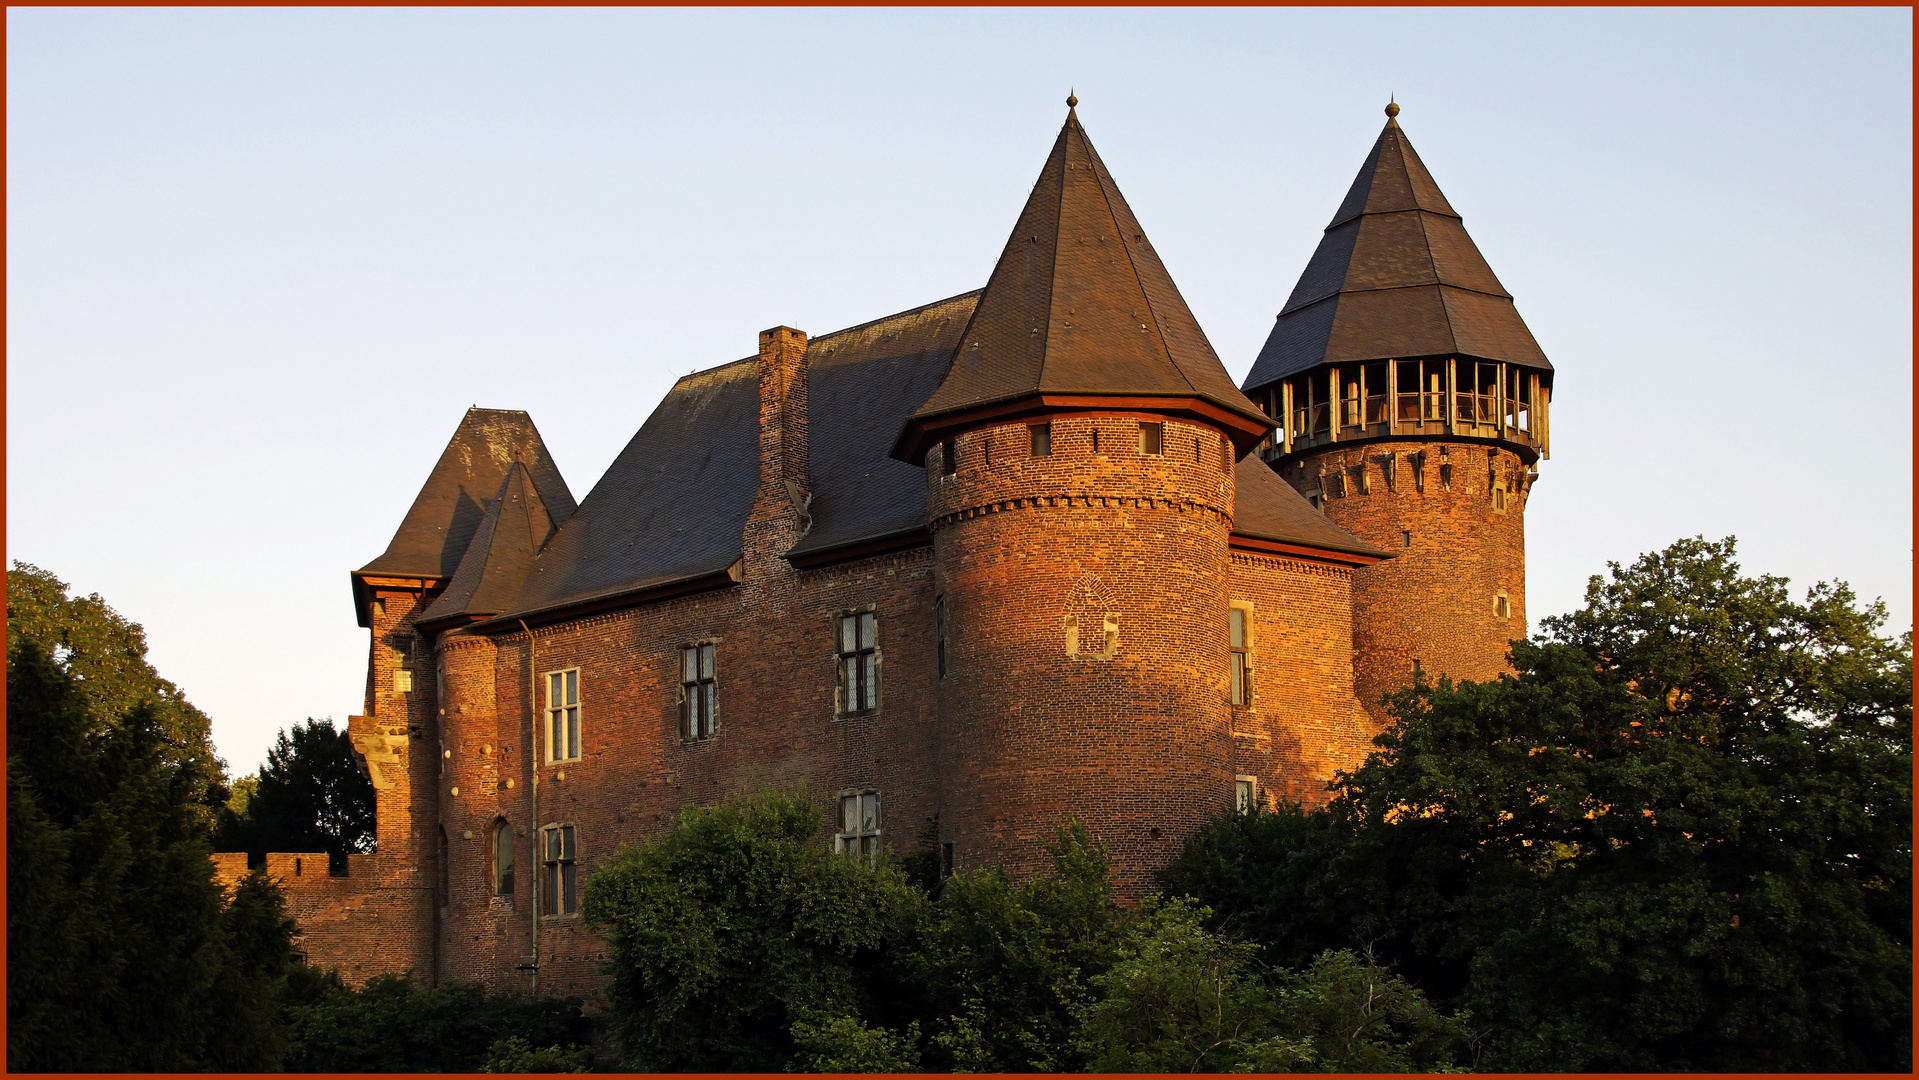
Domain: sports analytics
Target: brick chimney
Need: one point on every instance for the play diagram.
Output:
(783, 417)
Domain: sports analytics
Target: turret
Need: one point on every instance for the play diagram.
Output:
(1414, 408)
(1079, 462)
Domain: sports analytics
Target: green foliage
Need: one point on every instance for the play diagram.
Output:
(392, 1026)
(733, 927)
(845, 1044)
(1678, 838)
(311, 795)
(516, 1055)
(122, 952)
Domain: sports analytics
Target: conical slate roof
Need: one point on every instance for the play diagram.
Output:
(1078, 305)
(1395, 276)
(446, 513)
(490, 577)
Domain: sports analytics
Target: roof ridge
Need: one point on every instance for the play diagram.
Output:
(897, 314)
(1059, 206)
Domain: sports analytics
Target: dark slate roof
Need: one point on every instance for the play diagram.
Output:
(1267, 507)
(673, 505)
(1395, 275)
(861, 384)
(491, 575)
(1080, 304)
(437, 529)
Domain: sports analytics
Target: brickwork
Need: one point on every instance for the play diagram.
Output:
(1303, 723)
(1437, 601)
(1125, 551)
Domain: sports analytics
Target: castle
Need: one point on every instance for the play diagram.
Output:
(1015, 555)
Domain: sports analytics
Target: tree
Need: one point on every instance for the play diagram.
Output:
(390, 1025)
(1677, 838)
(123, 954)
(312, 795)
(733, 927)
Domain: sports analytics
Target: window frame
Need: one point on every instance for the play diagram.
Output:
(1152, 438)
(701, 660)
(865, 656)
(1040, 439)
(567, 711)
(853, 840)
(560, 871)
(1239, 673)
(1245, 794)
(501, 879)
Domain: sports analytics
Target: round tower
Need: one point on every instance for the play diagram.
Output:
(1413, 408)
(1079, 458)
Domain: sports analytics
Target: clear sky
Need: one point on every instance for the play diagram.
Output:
(259, 262)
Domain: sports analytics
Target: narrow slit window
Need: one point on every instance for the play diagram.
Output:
(699, 692)
(939, 634)
(1040, 438)
(858, 635)
(949, 457)
(1152, 438)
(502, 860)
(563, 715)
(559, 892)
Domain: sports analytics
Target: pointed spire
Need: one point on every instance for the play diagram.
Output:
(1079, 305)
(1395, 276)
(516, 525)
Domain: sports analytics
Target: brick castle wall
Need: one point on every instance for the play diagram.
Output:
(1436, 601)
(1085, 598)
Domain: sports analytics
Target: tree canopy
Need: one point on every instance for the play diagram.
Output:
(1677, 837)
(123, 954)
(311, 795)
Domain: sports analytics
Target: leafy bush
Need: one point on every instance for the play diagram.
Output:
(392, 1026)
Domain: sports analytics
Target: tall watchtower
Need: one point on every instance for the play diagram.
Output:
(1413, 408)
(1079, 460)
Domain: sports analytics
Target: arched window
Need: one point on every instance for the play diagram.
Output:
(502, 859)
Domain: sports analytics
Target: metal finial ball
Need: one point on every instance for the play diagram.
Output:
(1071, 100)
(1392, 108)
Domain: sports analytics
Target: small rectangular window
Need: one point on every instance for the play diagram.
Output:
(563, 715)
(559, 888)
(699, 692)
(859, 669)
(859, 835)
(1042, 439)
(949, 457)
(1245, 794)
(1240, 645)
(1152, 438)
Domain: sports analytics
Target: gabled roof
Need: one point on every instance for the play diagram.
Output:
(491, 575)
(1079, 304)
(672, 507)
(1266, 507)
(444, 516)
(1394, 276)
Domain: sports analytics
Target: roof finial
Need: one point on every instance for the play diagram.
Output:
(1392, 106)
(1071, 100)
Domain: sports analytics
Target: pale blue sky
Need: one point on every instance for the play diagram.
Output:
(260, 261)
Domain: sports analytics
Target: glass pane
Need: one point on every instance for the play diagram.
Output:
(553, 690)
(869, 631)
(850, 695)
(706, 661)
(689, 667)
(709, 703)
(572, 733)
(869, 813)
(573, 688)
(1239, 678)
(850, 813)
(693, 710)
(847, 642)
(871, 683)
(1236, 623)
(568, 902)
(566, 842)
(547, 905)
